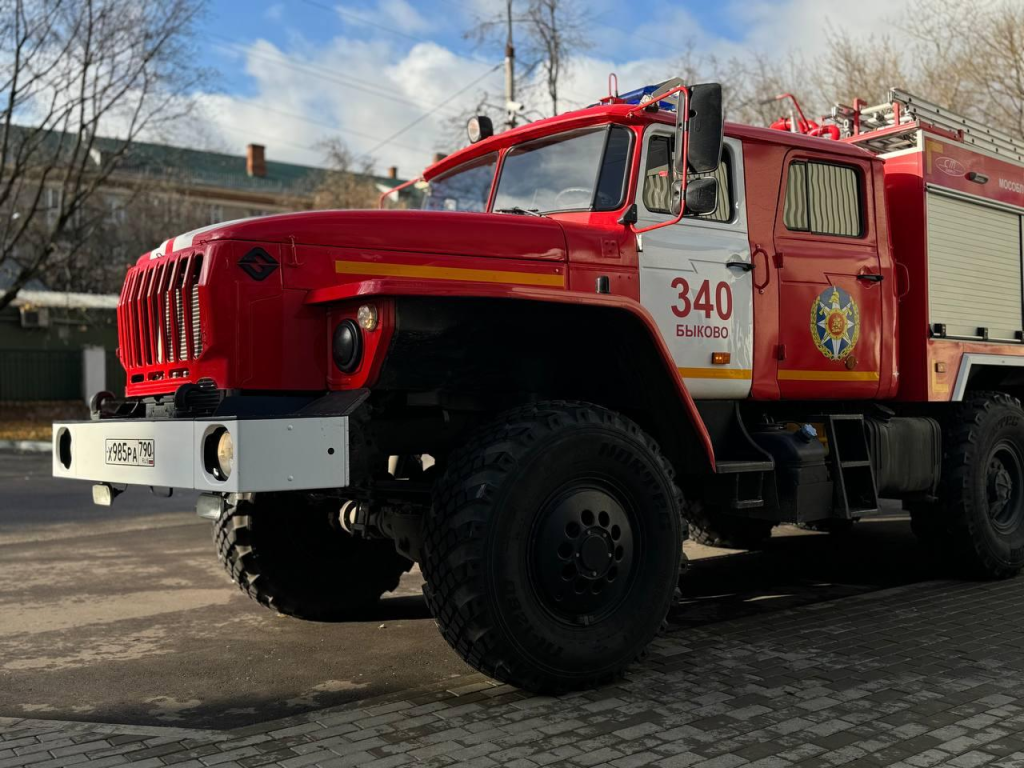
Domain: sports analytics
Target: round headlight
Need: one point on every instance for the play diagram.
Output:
(367, 317)
(348, 346)
(225, 454)
(218, 452)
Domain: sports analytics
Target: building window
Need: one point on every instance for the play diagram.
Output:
(823, 199)
(659, 176)
(51, 204)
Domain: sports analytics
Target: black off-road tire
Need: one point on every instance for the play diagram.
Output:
(716, 529)
(544, 490)
(979, 524)
(283, 553)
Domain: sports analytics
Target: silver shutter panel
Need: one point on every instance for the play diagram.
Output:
(974, 267)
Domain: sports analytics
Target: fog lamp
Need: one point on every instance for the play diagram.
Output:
(367, 317)
(225, 454)
(218, 452)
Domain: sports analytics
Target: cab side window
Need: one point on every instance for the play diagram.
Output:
(659, 175)
(824, 199)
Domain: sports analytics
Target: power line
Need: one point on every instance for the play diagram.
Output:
(263, 137)
(424, 116)
(282, 60)
(337, 128)
(310, 69)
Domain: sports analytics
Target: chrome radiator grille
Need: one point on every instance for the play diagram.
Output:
(158, 314)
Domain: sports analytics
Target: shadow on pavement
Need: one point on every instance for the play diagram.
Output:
(797, 568)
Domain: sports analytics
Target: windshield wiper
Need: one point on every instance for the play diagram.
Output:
(520, 211)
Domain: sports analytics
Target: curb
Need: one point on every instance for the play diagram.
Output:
(25, 446)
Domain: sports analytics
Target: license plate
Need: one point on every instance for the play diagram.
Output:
(131, 453)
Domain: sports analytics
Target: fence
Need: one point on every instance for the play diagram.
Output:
(31, 375)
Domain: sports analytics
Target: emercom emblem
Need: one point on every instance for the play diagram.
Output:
(835, 323)
(258, 264)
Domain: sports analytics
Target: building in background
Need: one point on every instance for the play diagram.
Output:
(51, 336)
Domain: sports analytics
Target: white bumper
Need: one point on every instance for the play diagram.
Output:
(275, 454)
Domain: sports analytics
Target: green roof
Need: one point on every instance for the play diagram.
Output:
(218, 169)
(212, 169)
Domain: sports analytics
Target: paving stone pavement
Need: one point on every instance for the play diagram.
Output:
(926, 675)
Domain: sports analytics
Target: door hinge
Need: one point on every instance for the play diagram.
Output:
(780, 352)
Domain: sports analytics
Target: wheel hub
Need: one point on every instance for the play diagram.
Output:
(1004, 489)
(594, 555)
(582, 553)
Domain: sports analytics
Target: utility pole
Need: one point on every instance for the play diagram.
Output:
(510, 71)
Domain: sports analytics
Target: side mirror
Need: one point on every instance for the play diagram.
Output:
(701, 196)
(706, 128)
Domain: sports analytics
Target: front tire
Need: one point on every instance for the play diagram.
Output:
(553, 548)
(981, 527)
(283, 553)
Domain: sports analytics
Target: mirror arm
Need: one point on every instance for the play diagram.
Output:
(396, 190)
(684, 96)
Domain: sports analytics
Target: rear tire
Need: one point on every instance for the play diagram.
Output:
(716, 529)
(553, 548)
(979, 524)
(283, 553)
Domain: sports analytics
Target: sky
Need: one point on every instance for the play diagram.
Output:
(392, 77)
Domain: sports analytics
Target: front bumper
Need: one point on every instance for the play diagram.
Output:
(270, 454)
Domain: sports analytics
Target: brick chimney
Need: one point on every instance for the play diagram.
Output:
(393, 172)
(255, 160)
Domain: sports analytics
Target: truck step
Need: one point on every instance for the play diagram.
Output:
(853, 475)
(733, 467)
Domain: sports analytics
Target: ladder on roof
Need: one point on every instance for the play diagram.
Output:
(905, 109)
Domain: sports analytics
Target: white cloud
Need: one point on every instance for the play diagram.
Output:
(360, 90)
(365, 86)
(395, 15)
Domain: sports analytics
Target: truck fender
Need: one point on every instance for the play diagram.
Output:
(630, 309)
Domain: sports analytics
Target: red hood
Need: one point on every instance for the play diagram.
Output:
(485, 235)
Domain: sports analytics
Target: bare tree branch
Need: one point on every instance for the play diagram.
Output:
(74, 70)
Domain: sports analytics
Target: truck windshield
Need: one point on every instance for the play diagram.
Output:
(577, 171)
(466, 188)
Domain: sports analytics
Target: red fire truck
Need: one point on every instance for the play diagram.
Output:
(602, 330)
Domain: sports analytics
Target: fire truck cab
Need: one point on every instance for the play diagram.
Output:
(603, 332)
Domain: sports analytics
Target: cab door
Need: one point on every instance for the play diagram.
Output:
(830, 280)
(695, 275)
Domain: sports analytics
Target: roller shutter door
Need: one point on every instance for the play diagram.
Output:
(974, 268)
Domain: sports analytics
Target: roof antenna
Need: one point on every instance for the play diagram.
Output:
(613, 90)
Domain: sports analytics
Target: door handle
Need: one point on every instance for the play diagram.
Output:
(871, 277)
(767, 268)
(746, 266)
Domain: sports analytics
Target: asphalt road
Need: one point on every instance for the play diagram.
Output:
(124, 615)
